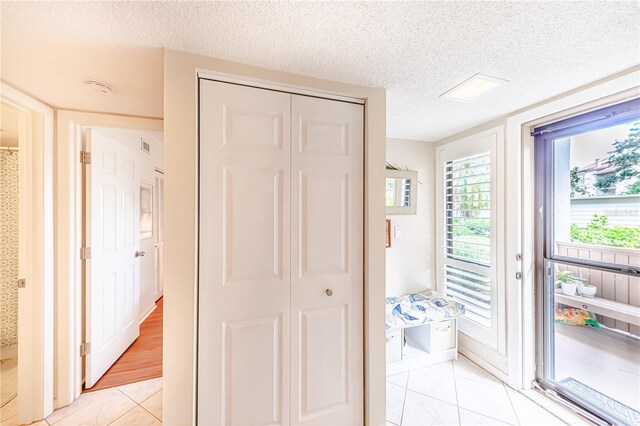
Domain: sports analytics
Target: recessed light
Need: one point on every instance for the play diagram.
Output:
(98, 87)
(473, 88)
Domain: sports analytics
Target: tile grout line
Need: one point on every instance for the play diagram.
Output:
(511, 402)
(502, 384)
(122, 415)
(484, 382)
(154, 416)
(404, 400)
(491, 417)
(455, 388)
(433, 397)
(154, 394)
(139, 404)
(7, 403)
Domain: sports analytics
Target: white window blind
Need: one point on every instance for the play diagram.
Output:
(467, 235)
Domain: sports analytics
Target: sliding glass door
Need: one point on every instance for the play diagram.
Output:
(588, 261)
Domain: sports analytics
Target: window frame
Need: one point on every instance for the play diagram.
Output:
(544, 137)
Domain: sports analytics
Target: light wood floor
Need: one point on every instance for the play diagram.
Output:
(143, 359)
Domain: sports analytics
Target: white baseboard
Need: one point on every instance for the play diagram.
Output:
(485, 357)
(425, 360)
(9, 352)
(148, 312)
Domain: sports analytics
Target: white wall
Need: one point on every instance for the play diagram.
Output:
(148, 165)
(410, 261)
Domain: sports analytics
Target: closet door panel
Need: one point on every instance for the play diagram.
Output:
(323, 232)
(327, 262)
(252, 384)
(252, 225)
(244, 280)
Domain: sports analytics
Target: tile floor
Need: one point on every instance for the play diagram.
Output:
(9, 382)
(452, 393)
(459, 393)
(131, 405)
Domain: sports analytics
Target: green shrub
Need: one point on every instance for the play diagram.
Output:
(472, 227)
(599, 232)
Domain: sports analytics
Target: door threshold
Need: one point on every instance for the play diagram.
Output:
(565, 410)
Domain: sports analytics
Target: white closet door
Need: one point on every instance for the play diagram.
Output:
(327, 262)
(244, 281)
(113, 271)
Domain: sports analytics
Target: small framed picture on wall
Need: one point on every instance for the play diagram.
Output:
(388, 240)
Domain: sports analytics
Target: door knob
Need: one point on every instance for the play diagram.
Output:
(329, 292)
(140, 253)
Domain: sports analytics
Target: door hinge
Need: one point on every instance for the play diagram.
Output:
(85, 348)
(22, 283)
(85, 253)
(85, 157)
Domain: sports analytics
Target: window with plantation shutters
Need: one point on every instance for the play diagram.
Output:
(467, 240)
(467, 234)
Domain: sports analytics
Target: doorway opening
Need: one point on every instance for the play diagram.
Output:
(588, 277)
(122, 251)
(10, 249)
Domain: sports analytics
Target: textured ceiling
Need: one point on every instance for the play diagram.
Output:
(416, 50)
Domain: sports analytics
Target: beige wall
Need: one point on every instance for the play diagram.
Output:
(180, 106)
(410, 259)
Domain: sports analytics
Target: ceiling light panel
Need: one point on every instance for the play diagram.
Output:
(473, 88)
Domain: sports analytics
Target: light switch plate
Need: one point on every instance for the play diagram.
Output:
(397, 232)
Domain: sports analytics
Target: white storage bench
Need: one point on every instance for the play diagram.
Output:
(422, 329)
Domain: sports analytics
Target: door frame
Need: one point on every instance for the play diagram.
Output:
(181, 207)
(520, 210)
(36, 304)
(69, 185)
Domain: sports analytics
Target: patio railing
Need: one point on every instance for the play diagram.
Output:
(618, 287)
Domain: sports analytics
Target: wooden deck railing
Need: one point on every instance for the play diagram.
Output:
(618, 287)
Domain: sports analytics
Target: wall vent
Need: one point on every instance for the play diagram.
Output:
(145, 146)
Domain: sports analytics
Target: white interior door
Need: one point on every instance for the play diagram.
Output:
(113, 270)
(327, 262)
(244, 285)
